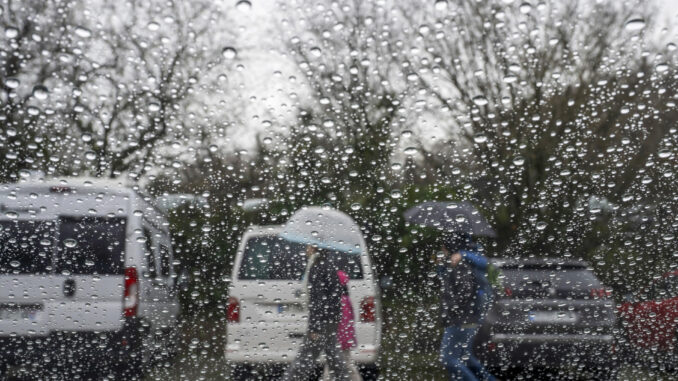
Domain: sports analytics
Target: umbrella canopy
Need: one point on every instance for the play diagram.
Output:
(455, 216)
(324, 227)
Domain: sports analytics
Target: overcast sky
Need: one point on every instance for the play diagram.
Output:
(266, 73)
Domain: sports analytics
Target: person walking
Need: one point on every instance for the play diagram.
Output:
(459, 294)
(324, 315)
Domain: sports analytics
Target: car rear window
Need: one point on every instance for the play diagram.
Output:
(547, 283)
(91, 245)
(26, 247)
(272, 257)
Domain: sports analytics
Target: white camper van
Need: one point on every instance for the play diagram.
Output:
(266, 318)
(86, 276)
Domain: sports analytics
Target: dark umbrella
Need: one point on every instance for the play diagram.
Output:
(454, 216)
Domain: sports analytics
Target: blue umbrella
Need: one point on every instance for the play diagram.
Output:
(325, 228)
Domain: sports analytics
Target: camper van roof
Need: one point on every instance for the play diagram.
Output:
(94, 183)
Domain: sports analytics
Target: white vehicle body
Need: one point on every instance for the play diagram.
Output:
(272, 318)
(84, 259)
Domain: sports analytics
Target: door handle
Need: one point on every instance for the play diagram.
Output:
(69, 288)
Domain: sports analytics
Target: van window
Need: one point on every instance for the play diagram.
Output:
(164, 261)
(91, 245)
(271, 257)
(150, 255)
(26, 247)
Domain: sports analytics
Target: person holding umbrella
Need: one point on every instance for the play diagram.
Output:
(464, 295)
(458, 310)
(320, 230)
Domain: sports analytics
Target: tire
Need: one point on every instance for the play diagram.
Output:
(369, 372)
(241, 372)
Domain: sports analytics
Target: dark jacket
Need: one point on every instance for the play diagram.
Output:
(324, 301)
(458, 294)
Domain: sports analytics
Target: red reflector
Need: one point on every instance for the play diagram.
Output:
(508, 292)
(233, 310)
(130, 299)
(368, 310)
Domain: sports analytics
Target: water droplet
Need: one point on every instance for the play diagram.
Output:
(15, 264)
(86, 137)
(70, 243)
(480, 100)
(396, 166)
(510, 78)
(410, 151)
(664, 154)
(441, 5)
(229, 53)
(316, 51)
(46, 242)
(83, 32)
(243, 5)
(90, 155)
(525, 8)
(662, 67)
(396, 194)
(541, 225)
(518, 160)
(479, 138)
(11, 32)
(11, 215)
(153, 26)
(406, 133)
(40, 92)
(12, 83)
(154, 107)
(635, 25)
(355, 206)
(460, 218)
(267, 140)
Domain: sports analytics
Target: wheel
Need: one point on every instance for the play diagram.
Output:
(369, 372)
(241, 372)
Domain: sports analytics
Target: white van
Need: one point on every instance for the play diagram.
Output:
(86, 277)
(266, 318)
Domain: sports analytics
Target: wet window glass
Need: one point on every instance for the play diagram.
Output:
(91, 245)
(26, 247)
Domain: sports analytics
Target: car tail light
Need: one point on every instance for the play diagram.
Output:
(233, 310)
(368, 310)
(130, 301)
(508, 292)
(600, 293)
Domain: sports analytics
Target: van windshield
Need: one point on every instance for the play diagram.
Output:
(26, 247)
(91, 245)
(272, 257)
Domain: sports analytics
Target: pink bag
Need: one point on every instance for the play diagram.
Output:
(346, 330)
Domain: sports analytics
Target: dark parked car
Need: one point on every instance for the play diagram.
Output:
(650, 320)
(548, 313)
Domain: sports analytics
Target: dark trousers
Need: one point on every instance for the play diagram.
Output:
(324, 342)
(456, 354)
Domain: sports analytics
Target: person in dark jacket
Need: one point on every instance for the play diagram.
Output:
(324, 314)
(459, 290)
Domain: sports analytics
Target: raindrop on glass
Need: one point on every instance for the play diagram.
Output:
(480, 100)
(410, 151)
(83, 32)
(229, 53)
(243, 5)
(40, 92)
(635, 25)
